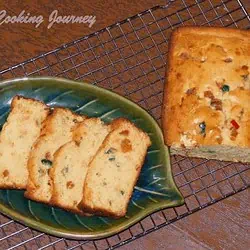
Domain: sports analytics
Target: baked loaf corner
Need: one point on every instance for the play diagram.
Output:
(206, 111)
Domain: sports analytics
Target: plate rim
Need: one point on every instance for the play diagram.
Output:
(114, 229)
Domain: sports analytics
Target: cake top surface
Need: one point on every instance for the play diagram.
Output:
(207, 94)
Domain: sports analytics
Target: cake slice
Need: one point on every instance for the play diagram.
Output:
(71, 162)
(20, 131)
(57, 130)
(206, 110)
(114, 170)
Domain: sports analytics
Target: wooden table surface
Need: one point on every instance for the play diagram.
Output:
(224, 225)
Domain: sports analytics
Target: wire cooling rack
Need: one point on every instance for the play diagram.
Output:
(129, 58)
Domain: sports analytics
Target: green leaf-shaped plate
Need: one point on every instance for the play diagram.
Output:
(154, 190)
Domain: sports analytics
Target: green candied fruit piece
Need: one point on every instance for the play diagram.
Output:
(110, 151)
(202, 126)
(225, 88)
(112, 158)
(46, 162)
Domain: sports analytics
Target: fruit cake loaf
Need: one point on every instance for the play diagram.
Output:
(57, 130)
(206, 110)
(71, 162)
(114, 170)
(20, 131)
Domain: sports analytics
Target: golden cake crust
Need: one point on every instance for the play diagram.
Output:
(207, 83)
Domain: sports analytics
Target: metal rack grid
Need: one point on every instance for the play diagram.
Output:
(129, 58)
